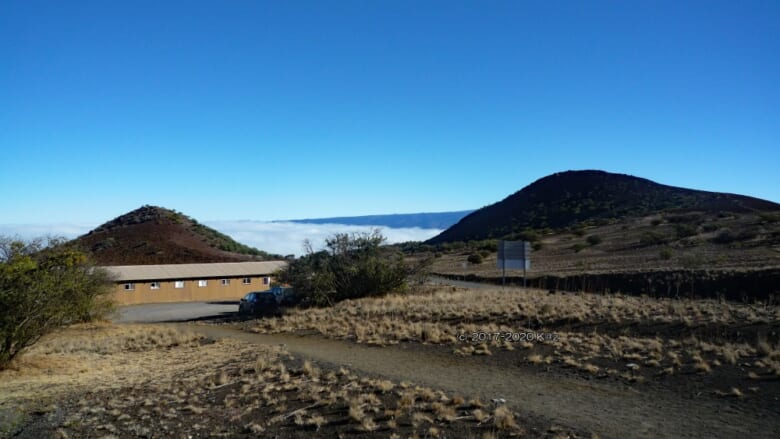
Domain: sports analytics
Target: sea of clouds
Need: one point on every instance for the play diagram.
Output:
(286, 238)
(282, 238)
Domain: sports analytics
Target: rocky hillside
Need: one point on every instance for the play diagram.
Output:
(155, 235)
(572, 198)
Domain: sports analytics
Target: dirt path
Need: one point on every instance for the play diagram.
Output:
(612, 411)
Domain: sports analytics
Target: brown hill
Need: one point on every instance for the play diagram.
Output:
(572, 198)
(155, 235)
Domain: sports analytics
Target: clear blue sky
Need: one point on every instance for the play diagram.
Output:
(271, 110)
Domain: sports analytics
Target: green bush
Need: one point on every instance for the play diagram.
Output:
(727, 236)
(652, 238)
(487, 245)
(352, 266)
(475, 258)
(665, 254)
(44, 286)
(683, 230)
(527, 235)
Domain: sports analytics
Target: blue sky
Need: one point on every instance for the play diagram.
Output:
(293, 109)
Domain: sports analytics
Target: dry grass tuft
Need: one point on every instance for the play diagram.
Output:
(368, 424)
(384, 386)
(480, 415)
(700, 365)
(503, 419)
(590, 368)
(444, 412)
(356, 412)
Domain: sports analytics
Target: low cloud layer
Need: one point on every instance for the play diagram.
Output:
(287, 238)
(283, 238)
(31, 231)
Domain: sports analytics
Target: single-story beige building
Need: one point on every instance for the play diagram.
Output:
(191, 282)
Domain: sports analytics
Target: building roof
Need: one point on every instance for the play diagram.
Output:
(123, 273)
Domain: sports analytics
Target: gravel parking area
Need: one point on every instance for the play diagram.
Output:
(174, 312)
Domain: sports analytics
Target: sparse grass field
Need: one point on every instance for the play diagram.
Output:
(642, 244)
(597, 334)
(692, 352)
(160, 381)
(165, 381)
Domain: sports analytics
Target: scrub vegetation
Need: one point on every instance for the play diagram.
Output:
(351, 266)
(44, 285)
(159, 381)
(607, 335)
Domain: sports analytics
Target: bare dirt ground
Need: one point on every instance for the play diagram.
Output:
(609, 408)
(166, 381)
(619, 366)
(406, 366)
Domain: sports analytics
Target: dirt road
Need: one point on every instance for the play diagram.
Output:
(610, 410)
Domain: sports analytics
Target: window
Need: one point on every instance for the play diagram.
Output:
(178, 284)
(129, 287)
(266, 280)
(203, 283)
(246, 280)
(225, 282)
(154, 285)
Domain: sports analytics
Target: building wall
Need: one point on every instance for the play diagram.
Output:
(191, 292)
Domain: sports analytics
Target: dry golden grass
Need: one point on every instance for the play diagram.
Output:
(158, 376)
(504, 419)
(94, 356)
(440, 315)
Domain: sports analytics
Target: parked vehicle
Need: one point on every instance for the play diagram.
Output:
(284, 295)
(259, 303)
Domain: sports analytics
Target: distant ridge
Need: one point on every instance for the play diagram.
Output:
(435, 220)
(568, 198)
(156, 235)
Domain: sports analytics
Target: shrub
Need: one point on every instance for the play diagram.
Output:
(656, 221)
(665, 254)
(44, 286)
(594, 239)
(769, 217)
(688, 218)
(488, 245)
(710, 227)
(527, 235)
(351, 267)
(652, 238)
(685, 230)
(475, 258)
(727, 236)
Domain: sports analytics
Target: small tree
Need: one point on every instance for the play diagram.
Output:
(43, 286)
(352, 266)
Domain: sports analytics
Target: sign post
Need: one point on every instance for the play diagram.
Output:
(514, 254)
